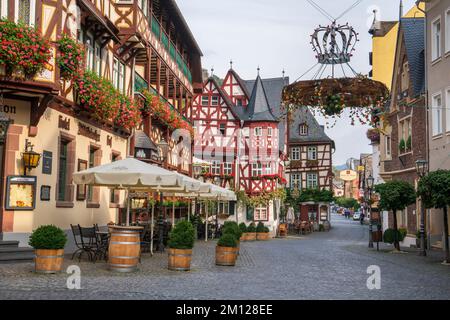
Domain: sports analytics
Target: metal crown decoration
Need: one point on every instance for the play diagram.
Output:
(334, 43)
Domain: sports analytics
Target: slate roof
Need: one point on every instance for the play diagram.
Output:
(143, 141)
(413, 31)
(316, 132)
(274, 88)
(258, 108)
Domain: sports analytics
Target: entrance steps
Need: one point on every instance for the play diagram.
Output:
(10, 252)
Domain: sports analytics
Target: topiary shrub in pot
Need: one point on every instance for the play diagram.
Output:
(232, 227)
(49, 242)
(181, 242)
(262, 232)
(243, 229)
(391, 236)
(226, 250)
(251, 232)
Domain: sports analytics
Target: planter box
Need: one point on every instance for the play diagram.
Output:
(248, 236)
(49, 261)
(180, 259)
(263, 236)
(226, 256)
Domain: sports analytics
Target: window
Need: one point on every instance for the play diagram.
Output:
(405, 77)
(312, 153)
(436, 39)
(258, 131)
(97, 67)
(119, 75)
(89, 53)
(388, 146)
(3, 8)
(215, 168)
(143, 5)
(269, 131)
(437, 114)
(227, 168)
(311, 181)
(267, 169)
(295, 153)
(256, 169)
(295, 180)
(25, 11)
(224, 208)
(405, 130)
(261, 214)
(303, 130)
(447, 110)
(205, 100)
(222, 129)
(214, 100)
(447, 31)
(62, 172)
(239, 102)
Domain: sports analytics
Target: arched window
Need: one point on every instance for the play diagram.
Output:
(303, 129)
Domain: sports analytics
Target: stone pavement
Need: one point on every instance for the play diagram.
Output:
(328, 265)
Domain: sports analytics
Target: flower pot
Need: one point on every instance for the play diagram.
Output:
(225, 256)
(249, 236)
(180, 259)
(48, 260)
(262, 236)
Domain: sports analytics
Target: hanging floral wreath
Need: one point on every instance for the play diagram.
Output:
(363, 96)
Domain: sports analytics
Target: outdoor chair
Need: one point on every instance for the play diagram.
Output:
(77, 238)
(145, 238)
(89, 242)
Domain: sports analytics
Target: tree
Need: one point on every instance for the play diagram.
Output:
(394, 196)
(434, 190)
(348, 203)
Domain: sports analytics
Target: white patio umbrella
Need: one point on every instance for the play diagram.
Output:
(134, 174)
(290, 216)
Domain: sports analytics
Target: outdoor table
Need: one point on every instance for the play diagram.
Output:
(124, 248)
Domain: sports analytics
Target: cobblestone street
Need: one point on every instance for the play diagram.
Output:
(319, 266)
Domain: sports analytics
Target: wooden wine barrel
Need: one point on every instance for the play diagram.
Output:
(283, 230)
(124, 248)
(180, 259)
(225, 256)
(48, 261)
(262, 236)
(251, 236)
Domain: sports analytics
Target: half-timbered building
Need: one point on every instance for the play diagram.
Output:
(310, 165)
(134, 46)
(238, 132)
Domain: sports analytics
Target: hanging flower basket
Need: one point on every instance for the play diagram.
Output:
(331, 96)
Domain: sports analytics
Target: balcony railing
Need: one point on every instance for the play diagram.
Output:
(140, 84)
(170, 47)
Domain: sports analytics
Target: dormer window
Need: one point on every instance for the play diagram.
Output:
(303, 129)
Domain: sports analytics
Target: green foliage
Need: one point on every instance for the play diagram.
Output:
(243, 227)
(434, 189)
(403, 233)
(321, 227)
(390, 236)
(402, 145)
(231, 227)
(71, 56)
(260, 227)
(348, 203)
(409, 143)
(182, 236)
(395, 195)
(306, 195)
(251, 227)
(227, 240)
(48, 237)
(266, 229)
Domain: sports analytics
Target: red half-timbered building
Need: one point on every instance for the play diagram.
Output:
(240, 135)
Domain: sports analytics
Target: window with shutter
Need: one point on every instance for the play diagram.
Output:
(250, 211)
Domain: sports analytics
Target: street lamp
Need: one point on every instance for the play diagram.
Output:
(30, 158)
(369, 182)
(164, 149)
(421, 169)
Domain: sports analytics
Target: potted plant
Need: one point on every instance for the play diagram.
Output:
(262, 232)
(251, 232)
(226, 250)
(243, 229)
(232, 227)
(181, 242)
(49, 242)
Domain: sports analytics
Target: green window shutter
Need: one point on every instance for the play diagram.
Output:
(231, 208)
(250, 213)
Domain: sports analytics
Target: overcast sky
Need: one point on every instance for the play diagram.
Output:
(275, 35)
